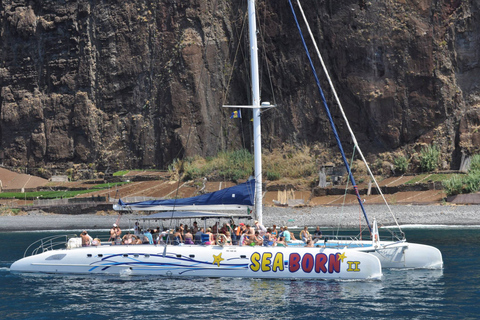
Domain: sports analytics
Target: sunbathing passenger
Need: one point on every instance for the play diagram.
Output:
(309, 244)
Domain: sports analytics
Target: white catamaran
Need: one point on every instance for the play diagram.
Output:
(290, 262)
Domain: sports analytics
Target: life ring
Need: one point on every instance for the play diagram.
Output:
(221, 239)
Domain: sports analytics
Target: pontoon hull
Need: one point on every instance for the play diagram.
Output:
(206, 261)
(398, 254)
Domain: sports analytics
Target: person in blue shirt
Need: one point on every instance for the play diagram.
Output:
(148, 234)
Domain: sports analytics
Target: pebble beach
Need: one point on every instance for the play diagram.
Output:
(324, 216)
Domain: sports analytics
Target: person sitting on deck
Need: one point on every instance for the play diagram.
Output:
(188, 237)
(207, 238)
(268, 239)
(309, 244)
(198, 236)
(148, 234)
(287, 236)
(305, 235)
(317, 235)
(117, 240)
(274, 231)
(96, 242)
(243, 239)
(260, 228)
(136, 240)
(127, 239)
(177, 237)
(228, 237)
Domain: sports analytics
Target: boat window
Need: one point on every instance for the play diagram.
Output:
(135, 255)
(147, 256)
(192, 256)
(125, 255)
(89, 255)
(179, 255)
(243, 257)
(56, 257)
(100, 255)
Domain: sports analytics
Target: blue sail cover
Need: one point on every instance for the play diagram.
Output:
(239, 197)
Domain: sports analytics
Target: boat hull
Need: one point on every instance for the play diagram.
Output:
(397, 254)
(206, 261)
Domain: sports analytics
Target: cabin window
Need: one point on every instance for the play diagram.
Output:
(147, 256)
(179, 255)
(135, 255)
(125, 255)
(89, 255)
(56, 257)
(192, 256)
(100, 255)
(243, 257)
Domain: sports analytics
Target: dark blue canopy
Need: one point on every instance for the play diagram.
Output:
(233, 198)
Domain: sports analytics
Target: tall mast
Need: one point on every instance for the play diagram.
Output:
(257, 141)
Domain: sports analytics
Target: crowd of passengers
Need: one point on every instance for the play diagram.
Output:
(228, 234)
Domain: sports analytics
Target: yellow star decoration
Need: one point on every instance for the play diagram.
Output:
(217, 259)
(342, 256)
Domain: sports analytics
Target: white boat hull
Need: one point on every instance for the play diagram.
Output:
(397, 254)
(206, 261)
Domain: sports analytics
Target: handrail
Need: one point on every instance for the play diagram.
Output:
(47, 244)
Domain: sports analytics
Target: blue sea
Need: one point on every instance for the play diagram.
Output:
(451, 293)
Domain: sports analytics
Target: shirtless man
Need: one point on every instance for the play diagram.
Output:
(115, 232)
(85, 238)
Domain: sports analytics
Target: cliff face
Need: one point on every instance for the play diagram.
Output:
(139, 83)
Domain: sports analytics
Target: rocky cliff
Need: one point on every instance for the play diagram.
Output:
(118, 84)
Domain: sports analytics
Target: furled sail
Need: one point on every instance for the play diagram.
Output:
(239, 197)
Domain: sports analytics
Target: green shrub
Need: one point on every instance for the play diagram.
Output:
(475, 163)
(273, 175)
(429, 157)
(454, 185)
(468, 183)
(401, 164)
(471, 183)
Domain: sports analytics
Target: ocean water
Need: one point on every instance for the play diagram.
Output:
(453, 292)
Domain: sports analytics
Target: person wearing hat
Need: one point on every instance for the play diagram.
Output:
(115, 232)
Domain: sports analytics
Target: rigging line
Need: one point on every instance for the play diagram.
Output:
(345, 194)
(345, 117)
(332, 124)
(225, 93)
(264, 51)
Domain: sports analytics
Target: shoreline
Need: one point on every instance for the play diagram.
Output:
(323, 216)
